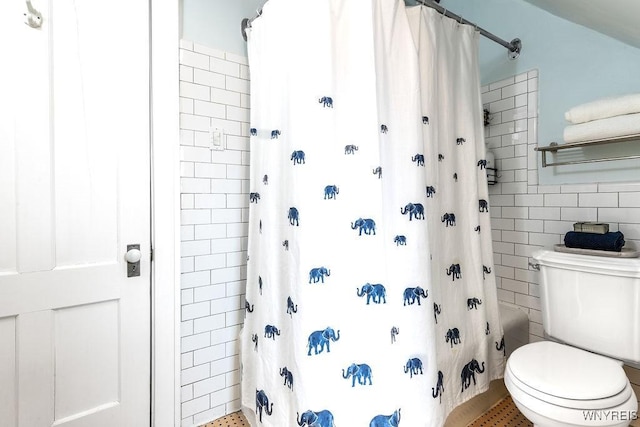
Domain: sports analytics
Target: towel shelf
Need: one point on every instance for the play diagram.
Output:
(554, 147)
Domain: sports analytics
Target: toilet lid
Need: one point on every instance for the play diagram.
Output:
(567, 372)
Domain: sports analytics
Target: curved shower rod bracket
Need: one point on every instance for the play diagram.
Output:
(246, 23)
(32, 17)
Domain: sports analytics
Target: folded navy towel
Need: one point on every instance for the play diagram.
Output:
(602, 242)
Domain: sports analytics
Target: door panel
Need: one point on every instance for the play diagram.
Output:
(74, 191)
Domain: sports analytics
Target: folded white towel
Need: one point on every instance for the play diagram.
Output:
(611, 127)
(603, 108)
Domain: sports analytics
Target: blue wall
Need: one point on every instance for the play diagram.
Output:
(216, 23)
(575, 64)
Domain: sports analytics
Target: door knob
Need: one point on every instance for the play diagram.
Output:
(132, 257)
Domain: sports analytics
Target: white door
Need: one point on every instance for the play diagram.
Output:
(74, 191)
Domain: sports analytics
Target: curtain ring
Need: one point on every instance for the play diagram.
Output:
(444, 12)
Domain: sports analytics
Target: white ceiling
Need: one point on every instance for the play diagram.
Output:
(619, 19)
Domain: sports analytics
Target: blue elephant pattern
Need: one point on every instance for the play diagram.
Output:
(413, 367)
(392, 420)
(360, 372)
(372, 295)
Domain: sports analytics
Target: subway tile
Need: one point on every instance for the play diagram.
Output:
(527, 301)
(195, 216)
(515, 89)
(579, 188)
(503, 153)
(237, 201)
(548, 189)
(222, 305)
(534, 225)
(240, 59)
(240, 229)
(532, 177)
(579, 214)
(186, 137)
(186, 169)
(503, 248)
(228, 274)
(514, 188)
(569, 200)
(515, 237)
(237, 85)
(225, 216)
(207, 293)
(533, 73)
(502, 83)
(194, 406)
(186, 105)
(208, 354)
(514, 163)
(193, 122)
(225, 335)
(493, 142)
(209, 109)
(529, 200)
(232, 349)
(516, 113)
(194, 247)
(526, 250)
(237, 172)
(203, 139)
(515, 138)
(226, 186)
(186, 361)
(208, 323)
(504, 272)
(630, 200)
(210, 231)
(202, 418)
(205, 201)
(194, 91)
(209, 262)
(619, 187)
(228, 245)
(186, 233)
(502, 223)
(208, 50)
(532, 85)
(237, 143)
(501, 200)
(532, 104)
(544, 213)
(521, 100)
(236, 288)
(227, 157)
(520, 150)
(186, 328)
(245, 100)
(194, 59)
(558, 227)
(534, 290)
(225, 364)
(195, 185)
(502, 105)
(515, 286)
(245, 72)
(521, 77)
(515, 212)
(197, 373)
(515, 261)
(544, 239)
(491, 96)
(234, 317)
(186, 295)
(209, 170)
(195, 280)
(208, 79)
(225, 395)
(630, 231)
(226, 97)
(237, 113)
(599, 200)
(195, 342)
(621, 215)
(536, 329)
(530, 276)
(222, 66)
(209, 385)
(506, 296)
(532, 131)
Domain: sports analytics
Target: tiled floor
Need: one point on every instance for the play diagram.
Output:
(504, 414)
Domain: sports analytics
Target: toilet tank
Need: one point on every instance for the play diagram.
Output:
(592, 302)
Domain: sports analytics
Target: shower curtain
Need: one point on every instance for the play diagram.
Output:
(370, 297)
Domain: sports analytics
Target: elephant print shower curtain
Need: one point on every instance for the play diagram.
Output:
(370, 296)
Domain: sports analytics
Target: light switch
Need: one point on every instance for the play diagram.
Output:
(217, 139)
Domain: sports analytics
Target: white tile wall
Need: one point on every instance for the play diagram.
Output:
(526, 216)
(214, 92)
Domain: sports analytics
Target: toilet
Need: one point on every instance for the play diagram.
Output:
(591, 317)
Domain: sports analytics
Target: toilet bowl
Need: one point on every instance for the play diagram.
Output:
(556, 385)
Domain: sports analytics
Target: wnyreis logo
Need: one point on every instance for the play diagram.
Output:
(609, 415)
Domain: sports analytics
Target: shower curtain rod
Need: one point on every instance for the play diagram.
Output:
(514, 47)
